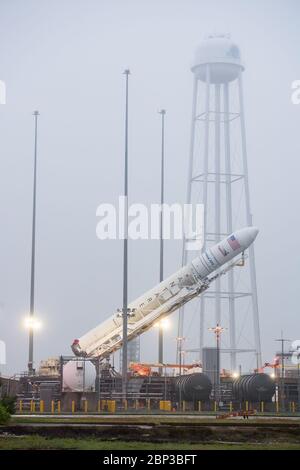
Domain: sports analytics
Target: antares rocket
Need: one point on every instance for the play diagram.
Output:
(175, 291)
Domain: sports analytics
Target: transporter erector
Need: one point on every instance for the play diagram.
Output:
(166, 297)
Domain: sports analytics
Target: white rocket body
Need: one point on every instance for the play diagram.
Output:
(182, 286)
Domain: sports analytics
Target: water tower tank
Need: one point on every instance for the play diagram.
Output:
(79, 376)
(223, 57)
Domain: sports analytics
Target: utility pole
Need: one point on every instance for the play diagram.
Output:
(98, 365)
(180, 340)
(125, 248)
(282, 340)
(32, 280)
(162, 112)
(218, 330)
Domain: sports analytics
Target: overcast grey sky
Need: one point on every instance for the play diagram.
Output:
(65, 58)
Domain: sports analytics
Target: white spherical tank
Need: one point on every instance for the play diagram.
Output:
(79, 376)
(223, 57)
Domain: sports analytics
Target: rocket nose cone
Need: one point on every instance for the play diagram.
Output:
(246, 236)
(254, 232)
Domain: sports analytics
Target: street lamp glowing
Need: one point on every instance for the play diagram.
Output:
(235, 375)
(164, 324)
(32, 324)
(272, 375)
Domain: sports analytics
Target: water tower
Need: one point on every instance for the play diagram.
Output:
(218, 177)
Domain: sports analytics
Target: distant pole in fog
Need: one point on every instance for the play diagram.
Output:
(162, 112)
(32, 280)
(125, 248)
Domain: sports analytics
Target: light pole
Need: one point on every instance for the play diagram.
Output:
(218, 330)
(180, 340)
(162, 112)
(30, 326)
(282, 341)
(99, 383)
(130, 313)
(125, 247)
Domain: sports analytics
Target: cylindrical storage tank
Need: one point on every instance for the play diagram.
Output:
(193, 387)
(254, 388)
(79, 376)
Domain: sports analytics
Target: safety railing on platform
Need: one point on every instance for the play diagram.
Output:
(148, 405)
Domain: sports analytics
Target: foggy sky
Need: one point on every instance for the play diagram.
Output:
(66, 58)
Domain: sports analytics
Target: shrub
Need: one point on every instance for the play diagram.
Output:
(9, 403)
(4, 415)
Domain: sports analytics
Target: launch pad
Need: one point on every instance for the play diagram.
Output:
(77, 387)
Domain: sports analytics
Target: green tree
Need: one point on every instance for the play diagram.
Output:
(4, 415)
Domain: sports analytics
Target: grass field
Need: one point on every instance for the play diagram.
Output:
(38, 442)
(176, 433)
(96, 419)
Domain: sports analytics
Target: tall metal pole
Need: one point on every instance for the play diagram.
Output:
(99, 382)
(231, 306)
(188, 194)
(218, 367)
(218, 330)
(32, 280)
(161, 262)
(205, 196)
(282, 340)
(256, 326)
(217, 192)
(125, 254)
(180, 339)
(180, 370)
